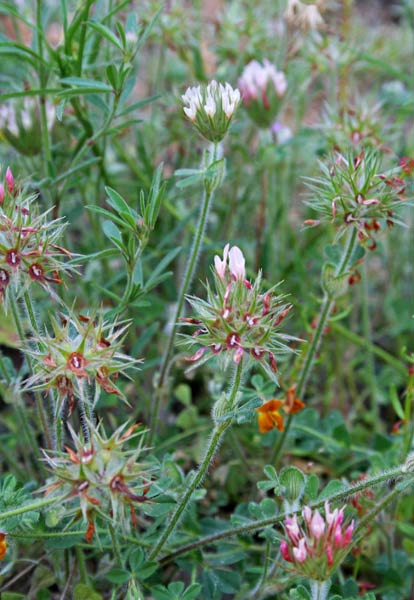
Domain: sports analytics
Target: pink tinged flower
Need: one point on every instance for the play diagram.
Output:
(300, 552)
(338, 536)
(329, 554)
(307, 514)
(237, 263)
(284, 550)
(13, 258)
(238, 355)
(9, 179)
(233, 341)
(317, 525)
(292, 529)
(221, 265)
(272, 362)
(196, 355)
(348, 534)
(1, 193)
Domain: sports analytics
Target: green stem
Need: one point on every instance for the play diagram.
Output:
(29, 507)
(357, 340)
(116, 548)
(341, 496)
(211, 450)
(42, 99)
(49, 436)
(325, 312)
(83, 573)
(20, 410)
(319, 589)
(188, 276)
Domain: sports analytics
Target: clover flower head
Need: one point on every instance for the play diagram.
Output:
(353, 192)
(317, 548)
(237, 321)
(81, 349)
(103, 477)
(211, 108)
(262, 88)
(29, 244)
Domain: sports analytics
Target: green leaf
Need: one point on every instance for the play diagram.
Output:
(333, 487)
(84, 592)
(154, 278)
(111, 231)
(106, 33)
(299, 593)
(137, 105)
(118, 575)
(395, 403)
(80, 82)
(119, 204)
(293, 480)
(312, 486)
(149, 27)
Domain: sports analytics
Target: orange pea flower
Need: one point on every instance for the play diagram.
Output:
(269, 416)
(3, 545)
(292, 405)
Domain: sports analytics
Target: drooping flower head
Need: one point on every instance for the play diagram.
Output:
(29, 250)
(211, 108)
(315, 549)
(102, 476)
(238, 320)
(262, 88)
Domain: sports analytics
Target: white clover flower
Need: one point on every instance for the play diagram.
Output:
(211, 108)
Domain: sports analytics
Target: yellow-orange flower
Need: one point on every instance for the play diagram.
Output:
(292, 405)
(269, 416)
(3, 545)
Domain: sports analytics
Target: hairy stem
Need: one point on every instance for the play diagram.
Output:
(340, 496)
(29, 507)
(188, 277)
(325, 312)
(210, 452)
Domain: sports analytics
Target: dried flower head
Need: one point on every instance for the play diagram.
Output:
(262, 88)
(29, 250)
(317, 548)
(102, 476)
(238, 320)
(306, 16)
(81, 349)
(211, 108)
